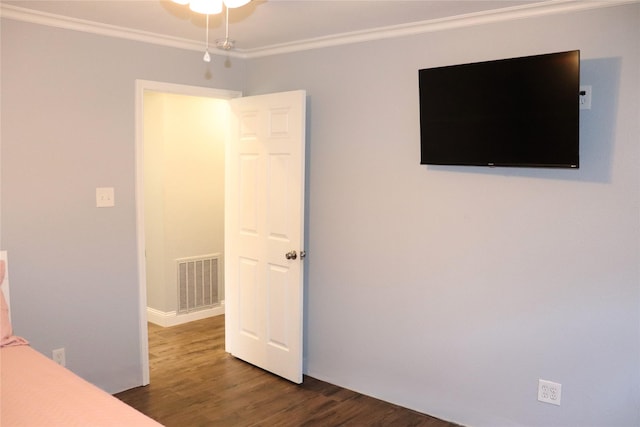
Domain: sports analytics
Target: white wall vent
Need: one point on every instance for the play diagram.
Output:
(198, 283)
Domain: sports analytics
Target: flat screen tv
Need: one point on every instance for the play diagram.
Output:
(508, 112)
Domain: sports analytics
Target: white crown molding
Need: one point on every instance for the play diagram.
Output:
(480, 18)
(59, 21)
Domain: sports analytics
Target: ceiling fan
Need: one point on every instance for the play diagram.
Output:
(213, 7)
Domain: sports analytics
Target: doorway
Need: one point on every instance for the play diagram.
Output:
(184, 170)
(158, 203)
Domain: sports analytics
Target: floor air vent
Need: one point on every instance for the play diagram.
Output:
(198, 283)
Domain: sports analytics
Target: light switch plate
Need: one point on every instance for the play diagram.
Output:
(105, 197)
(585, 97)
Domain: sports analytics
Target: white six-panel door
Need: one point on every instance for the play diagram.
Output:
(264, 231)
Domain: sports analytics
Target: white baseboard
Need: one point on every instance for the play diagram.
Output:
(171, 318)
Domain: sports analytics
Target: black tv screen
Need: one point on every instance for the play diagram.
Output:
(508, 112)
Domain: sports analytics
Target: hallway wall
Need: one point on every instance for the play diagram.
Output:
(184, 187)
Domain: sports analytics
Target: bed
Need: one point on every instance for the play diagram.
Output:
(35, 391)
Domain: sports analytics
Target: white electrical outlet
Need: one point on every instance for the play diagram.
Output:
(549, 392)
(58, 356)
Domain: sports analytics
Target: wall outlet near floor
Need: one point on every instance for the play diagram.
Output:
(549, 392)
(58, 356)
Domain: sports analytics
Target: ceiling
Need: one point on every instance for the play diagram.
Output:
(267, 23)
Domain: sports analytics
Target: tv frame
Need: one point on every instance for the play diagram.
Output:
(561, 71)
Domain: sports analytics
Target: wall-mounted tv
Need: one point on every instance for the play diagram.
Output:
(508, 112)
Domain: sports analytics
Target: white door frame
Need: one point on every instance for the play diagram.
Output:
(141, 87)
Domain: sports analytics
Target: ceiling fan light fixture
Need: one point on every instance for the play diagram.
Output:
(206, 7)
(232, 4)
(213, 7)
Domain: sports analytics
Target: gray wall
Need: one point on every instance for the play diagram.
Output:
(452, 290)
(68, 127)
(447, 290)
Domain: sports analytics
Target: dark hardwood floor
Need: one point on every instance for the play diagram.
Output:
(194, 382)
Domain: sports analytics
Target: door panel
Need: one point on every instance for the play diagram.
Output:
(264, 222)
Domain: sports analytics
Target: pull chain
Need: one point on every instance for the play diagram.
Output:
(226, 31)
(207, 57)
(226, 43)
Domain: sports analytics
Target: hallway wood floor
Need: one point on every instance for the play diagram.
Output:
(194, 382)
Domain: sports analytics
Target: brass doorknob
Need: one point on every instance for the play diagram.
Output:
(291, 255)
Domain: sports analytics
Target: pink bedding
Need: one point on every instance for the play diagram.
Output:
(35, 391)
